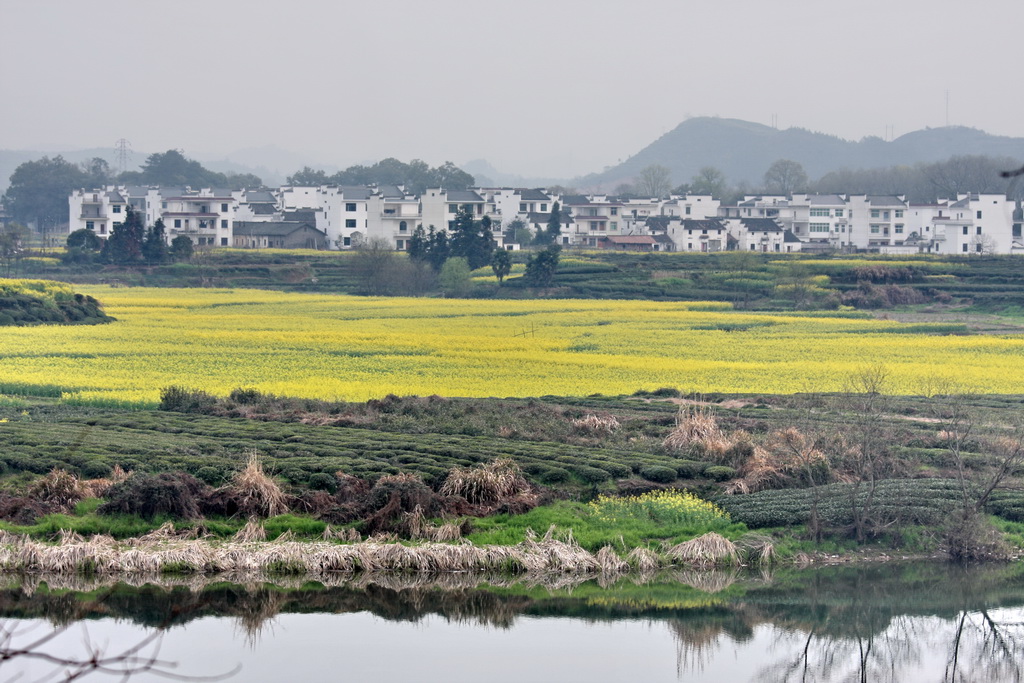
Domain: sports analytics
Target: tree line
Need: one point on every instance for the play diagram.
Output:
(416, 176)
(921, 182)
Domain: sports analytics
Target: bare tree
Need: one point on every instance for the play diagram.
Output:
(785, 176)
(654, 181)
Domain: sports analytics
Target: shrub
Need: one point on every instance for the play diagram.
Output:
(211, 475)
(95, 470)
(176, 494)
(254, 492)
(487, 484)
(247, 396)
(589, 474)
(616, 470)
(183, 400)
(690, 469)
(321, 481)
(658, 473)
(554, 475)
(59, 490)
(720, 472)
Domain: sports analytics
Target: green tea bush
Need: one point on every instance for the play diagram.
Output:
(659, 474)
(175, 494)
(720, 473)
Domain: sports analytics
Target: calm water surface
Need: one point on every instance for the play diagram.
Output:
(892, 623)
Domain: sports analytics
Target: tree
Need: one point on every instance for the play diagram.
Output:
(38, 193)
(518, 232)
(654, 181)
(182, 248)
(84, 239)
(540, 269)
(124, 246)
(455, 276)
(785, 177)
(709, 181)
(471, 239)
(12, 237)
(373, 265)
(154, 247)
(554, 228)
(172, 168)
(418, 246)
(307, 177)
(501, 264)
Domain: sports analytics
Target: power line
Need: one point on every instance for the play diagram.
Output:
(124, 151)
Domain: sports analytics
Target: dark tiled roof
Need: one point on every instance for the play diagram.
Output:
(263, 209)
(879, 200)
(115, 197)
(708, 223)
(630, 239)
(271, 228)
(761, 224)
(356, 192)
(534, 196)
(826, 199)
(303, 215)
(788, 236)
(463, 196)
(575, 200)
(391, 191)
(260, 197)
(533, 217)
(662, 239)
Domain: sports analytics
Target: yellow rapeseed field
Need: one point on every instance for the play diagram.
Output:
(344, 347)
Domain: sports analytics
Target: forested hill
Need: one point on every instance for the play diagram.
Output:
(743, 151)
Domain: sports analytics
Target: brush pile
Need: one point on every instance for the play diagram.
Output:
(490, 485)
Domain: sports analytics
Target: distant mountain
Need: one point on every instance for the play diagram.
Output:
(743, 151)
(487, 176)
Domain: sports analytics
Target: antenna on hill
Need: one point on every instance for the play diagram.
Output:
(775, 121)
(947, 109)
(124, 151)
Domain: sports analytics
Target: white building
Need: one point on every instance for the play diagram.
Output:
(205, 216)
(96, 210)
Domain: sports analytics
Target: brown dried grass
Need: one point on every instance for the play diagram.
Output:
(709, 550)
(487, 484)
(601, 425)
(255, 493)
(58, 489)
(252, 531)
(697, 425)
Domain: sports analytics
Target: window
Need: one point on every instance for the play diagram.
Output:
(223, 208)
(350, 206)
(977, 247)
(90, 225)
(615, 212)
(839, 213)
(899, 228)
(223, 241)
(204, 209)
(177, 222)
(163, 205)
(400, 244)
(347, 241)
(979, 215)
(899, 213)
(885, 215)
(522, 207)
(614, 226)
(875, 213)
(965, 247)
(875, 229)
(543, 208)
(453, 208)
(820, 213)
(979, 230)
(350, 222)
(818, 227)
(965, 229)
(687, 210)
(117, 208)
(224, 224)
(103, 229)
(403, 226)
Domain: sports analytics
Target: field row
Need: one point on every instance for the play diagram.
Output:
(341, 347)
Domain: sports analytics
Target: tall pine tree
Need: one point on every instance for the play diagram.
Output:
(124, 245)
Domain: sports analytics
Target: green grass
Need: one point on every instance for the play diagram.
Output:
(590, 530)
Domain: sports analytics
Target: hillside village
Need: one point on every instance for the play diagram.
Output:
(344, 217)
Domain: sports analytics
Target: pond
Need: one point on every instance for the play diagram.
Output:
(920, 622)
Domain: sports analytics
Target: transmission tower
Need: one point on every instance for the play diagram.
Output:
(124, 152)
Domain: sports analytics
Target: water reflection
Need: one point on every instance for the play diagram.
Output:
(909, 622)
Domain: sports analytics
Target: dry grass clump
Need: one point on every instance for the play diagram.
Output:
(785, 458)
(697, 426)
(418, 528)
(488, 484)
(756, 549)
(708, 550)
(644, 560)
(59, 490)
(254, 492)
(609, 561)
(252, 531)
(601, 425)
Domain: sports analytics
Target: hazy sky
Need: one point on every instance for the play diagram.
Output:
(538, 87)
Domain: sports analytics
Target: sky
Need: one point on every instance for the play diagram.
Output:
(554, 88)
